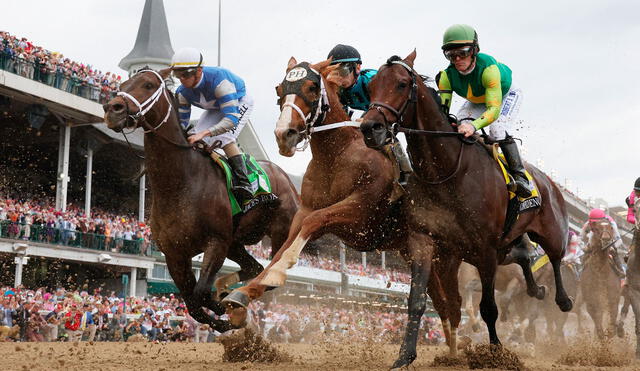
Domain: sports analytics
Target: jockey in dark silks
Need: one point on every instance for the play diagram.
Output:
(354, 93)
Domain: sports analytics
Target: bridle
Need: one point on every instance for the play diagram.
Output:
(139, 118)
(395, 126)
(319, 107)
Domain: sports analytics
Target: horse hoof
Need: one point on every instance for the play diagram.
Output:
(236, 299)
(403, 362)
(620, 330)
(542, 292)
(475, 327)
(565, 305)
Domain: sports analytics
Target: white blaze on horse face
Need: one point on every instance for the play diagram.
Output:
(284, 121)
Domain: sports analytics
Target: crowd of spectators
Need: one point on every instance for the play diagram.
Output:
(37, 220)
(61, 315)
(20, 56)
(353, 268)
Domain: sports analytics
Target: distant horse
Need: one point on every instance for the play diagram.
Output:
(462, 190)
(191, 211)
(633, 275)
(599, 283)
(347, 190)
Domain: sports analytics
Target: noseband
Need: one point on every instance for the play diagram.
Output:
(139, 118)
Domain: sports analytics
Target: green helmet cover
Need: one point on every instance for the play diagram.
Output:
(459, 35)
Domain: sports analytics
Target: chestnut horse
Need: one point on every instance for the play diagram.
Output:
(633, 275)
(347, 190)
(191, 212)
(463, 188)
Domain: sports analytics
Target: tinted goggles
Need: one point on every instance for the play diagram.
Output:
(464, 52)
(184, 73)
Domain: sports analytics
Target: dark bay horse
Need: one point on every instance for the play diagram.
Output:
(191, 212)
(347, 190)
(463, 189)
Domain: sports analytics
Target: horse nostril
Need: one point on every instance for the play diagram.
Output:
(117, 108)
(291, 133)
(378, 126)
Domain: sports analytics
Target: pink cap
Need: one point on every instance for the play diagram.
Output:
(596, 214)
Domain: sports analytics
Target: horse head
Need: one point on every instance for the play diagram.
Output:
(303, 102)
(139, 103)
(392, 90)
(603, 233)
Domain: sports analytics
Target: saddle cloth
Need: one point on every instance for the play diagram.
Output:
(524, 203)
(260, 183)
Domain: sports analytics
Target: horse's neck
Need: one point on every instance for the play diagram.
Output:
(327, 145)
(433, 156)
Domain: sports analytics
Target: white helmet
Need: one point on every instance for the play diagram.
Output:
(186, 58)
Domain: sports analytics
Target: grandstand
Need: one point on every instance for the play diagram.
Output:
(60, 161)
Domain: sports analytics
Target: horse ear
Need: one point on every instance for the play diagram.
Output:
(165, 72)
(292, 63)
(411, 58)
(321, 65)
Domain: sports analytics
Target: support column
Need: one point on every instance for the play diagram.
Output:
(132, 281)
(63, 167)
(364, 260)
(344, 279)
(384, 260)
(142, 191)
(87, 188)
(20, 261)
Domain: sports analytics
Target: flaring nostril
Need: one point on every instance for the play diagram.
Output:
(117, 107)
(292, 132)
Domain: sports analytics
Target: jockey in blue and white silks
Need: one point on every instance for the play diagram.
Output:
(223, 96)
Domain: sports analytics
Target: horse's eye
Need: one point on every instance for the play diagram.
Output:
(148, 86)
(313, 88)
(402, 85)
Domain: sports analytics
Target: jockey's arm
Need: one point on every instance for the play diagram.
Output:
(493, 97)
(228, 99)
(444, 89)
(184, 111)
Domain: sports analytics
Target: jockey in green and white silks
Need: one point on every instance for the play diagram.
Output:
(491, 98)
(354, 82)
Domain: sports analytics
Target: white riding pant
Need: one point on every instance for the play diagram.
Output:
(507, 122)
(210, 118)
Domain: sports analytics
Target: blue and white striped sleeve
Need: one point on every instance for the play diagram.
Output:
(227, 97)
(184, 110)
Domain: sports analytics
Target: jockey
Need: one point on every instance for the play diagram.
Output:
(597, 217)
(354, 82)
(227, 108)
(631, 200)
(491, 98)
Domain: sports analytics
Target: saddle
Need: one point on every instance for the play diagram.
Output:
(260, 183)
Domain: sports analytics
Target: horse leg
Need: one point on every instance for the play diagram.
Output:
(623, 311)
(613, 305)
(555, 250)
(249, 268)
(421, 251)
(595, 312)
(634, 298)
(182, 274)
(488, 307)
(212, 261)
(520, 254)
(446, 279)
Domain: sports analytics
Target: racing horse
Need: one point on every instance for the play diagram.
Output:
(599, 283)
(464, 191)
(347, 190)
(633, 274)
(191, 211)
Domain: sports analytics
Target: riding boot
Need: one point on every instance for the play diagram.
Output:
(510, 150)
(241, 187)
(403, 163)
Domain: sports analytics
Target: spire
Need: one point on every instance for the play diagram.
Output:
(153, 44)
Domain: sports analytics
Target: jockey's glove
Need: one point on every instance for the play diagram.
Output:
(222, 127)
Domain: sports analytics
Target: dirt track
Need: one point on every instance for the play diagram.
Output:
(189, 356)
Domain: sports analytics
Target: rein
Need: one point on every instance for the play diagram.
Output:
(139, 118)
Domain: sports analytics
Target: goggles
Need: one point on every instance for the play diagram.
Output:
(184, 73)
(346, 69)
(464, 52)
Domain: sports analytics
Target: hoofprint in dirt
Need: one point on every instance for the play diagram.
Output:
(198, 356)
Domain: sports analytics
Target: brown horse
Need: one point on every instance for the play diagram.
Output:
(633, 275)
(347, 190)
(191, 212)
(463, 189)
(599, 283)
